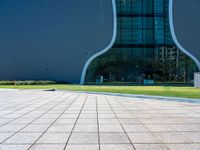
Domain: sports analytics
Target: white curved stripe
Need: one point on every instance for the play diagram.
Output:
(174, 35)
(104, 50)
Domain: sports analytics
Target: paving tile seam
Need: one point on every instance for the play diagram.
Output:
(55, 120)
(142, 123)
(44, 96)
(11, 101)
(75, 123)
(19, 98)
(26, 105)
(12, 98)
(35, 118)
(96, 100)
(120, 123)
(26, 113)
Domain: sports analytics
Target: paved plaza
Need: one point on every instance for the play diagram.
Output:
(53, 120)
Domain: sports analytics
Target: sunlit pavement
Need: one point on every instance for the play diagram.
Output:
(45, 120)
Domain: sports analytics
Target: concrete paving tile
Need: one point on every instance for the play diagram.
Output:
(159, 128)
(83, 138)
(47, 147)
(108, 116)
(129, 121)
(13, 116)
(116, 147)
(173, 123)
(21, 121)
(5, 112)
(125, 116)
(87, 121)
(122, 111)
(192, 114)
(4, 121)
(65, 121)
(88, 116)
(69, 116)
(43, 121)
(31, 116)
(11, 128)
(151, 147)
(85, 128)
(138, 138)
(86, 111)
(108, 121)
(23, 138)
(150, 121)
(110, 128)
(184, 146)
(191, 120)
(53, 138)
(183, 115)
(47, 116)
(113, 138)
(172, 137)
(68, 111)
(105, 111)
(192, 136)
(82, 147)
(135, 128)
(166, 115)
(14, 147)
(185, 127)
(60, 128)
(4, 136)
(142, 115)
(35, 128)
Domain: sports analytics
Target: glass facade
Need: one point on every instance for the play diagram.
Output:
(144, 49)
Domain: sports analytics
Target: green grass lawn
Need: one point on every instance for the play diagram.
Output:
(185, 92)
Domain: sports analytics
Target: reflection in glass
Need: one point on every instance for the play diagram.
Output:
(144, 48)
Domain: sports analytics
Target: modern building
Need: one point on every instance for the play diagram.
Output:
(144, 47)
(123, 41)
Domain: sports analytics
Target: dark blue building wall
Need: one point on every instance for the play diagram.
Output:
(186, 24)
(51, 39)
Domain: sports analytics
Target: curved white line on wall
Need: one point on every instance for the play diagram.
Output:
(107, 48)
(171, 22)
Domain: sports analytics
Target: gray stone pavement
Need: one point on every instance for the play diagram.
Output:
(44, 120)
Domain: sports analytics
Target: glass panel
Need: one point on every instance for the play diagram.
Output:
(144, 48)
(159, 22)
(158, 6)
(126, 7)
(137, 6)
(148, 36)
(137, 22)
(137, 36)
(159, 36)
(148, 22)
(148, 6)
